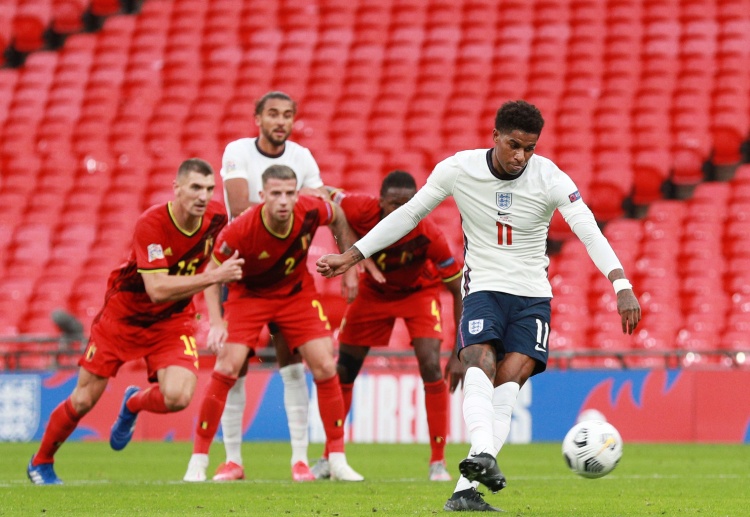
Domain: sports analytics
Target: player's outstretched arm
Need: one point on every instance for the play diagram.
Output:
(627, 304)
(162, 287)
(333, 265)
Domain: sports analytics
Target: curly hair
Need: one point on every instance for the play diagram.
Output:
(519, 115)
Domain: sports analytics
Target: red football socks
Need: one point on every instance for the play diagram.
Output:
(346, 392)
(62, 422)
(436, 405)
(331, 407)
(150, 400)
(211, 409)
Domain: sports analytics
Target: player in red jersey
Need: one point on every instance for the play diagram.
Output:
(414, 267)
(274, 239)
(148, 313)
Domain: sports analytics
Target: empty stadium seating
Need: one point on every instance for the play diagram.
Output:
(636, 96)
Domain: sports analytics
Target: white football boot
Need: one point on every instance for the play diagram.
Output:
(196, 471)
(340, 469)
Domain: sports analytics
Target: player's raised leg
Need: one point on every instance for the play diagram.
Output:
(173, 393)
(318, 353)
(62, 422)
(478, 412)
(480, 466)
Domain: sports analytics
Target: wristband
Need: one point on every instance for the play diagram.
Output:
(621, 284)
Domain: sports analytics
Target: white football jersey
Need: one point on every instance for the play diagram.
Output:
(243, 159)
(505, 222)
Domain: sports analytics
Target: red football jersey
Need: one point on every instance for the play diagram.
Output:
(275, 265)
(159, 245)
(421, 258)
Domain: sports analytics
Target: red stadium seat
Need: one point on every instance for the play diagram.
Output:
(730, 128)
(105, 7)
(29, 23)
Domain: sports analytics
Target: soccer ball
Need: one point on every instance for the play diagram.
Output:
(592, 448)
(590, 414)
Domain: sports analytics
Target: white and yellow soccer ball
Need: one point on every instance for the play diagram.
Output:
(592, 448)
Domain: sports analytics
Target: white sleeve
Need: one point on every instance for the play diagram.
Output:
(405, 219)
(234, 162)
(582, 222)
(312, 177)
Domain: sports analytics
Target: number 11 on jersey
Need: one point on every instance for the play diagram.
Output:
(504, 234)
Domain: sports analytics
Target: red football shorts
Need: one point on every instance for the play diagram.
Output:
(113, 343)
(369, 320)
(299, 317)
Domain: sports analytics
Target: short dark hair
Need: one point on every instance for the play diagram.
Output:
(261, 103)
(279, 172)
(195, 165)
(521, 115)
(397, 179)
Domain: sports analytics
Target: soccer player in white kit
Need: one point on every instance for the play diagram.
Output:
(506, 196)
(242, 165)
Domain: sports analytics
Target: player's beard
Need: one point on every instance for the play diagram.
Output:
(275, 140)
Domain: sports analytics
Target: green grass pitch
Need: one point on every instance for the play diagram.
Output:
(144, 479)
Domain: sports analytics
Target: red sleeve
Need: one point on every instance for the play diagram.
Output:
(325, 209)
(149, 242)
(440, 254)
(362, 212)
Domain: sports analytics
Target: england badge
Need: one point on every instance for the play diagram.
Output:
(503, 200)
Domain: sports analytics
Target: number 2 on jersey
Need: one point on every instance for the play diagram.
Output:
(504, 234)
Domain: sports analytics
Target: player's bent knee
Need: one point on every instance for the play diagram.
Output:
(83, 407)
(430, 372)
(323, 371)
(82, 402)
(230, 365)
(178, 401)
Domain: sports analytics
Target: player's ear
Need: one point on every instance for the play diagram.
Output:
(495, 135)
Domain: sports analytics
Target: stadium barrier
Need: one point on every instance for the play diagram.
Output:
(706, 404)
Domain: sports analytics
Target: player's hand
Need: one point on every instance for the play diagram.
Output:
(334, 264)
(231, 269)
(629, 310)
(217, 336)
(350, 285)
(454, 372)
(374, 270)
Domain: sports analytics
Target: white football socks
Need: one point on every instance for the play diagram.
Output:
(296, 403)
(231, 421)
(503, 401)
(478, 411)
